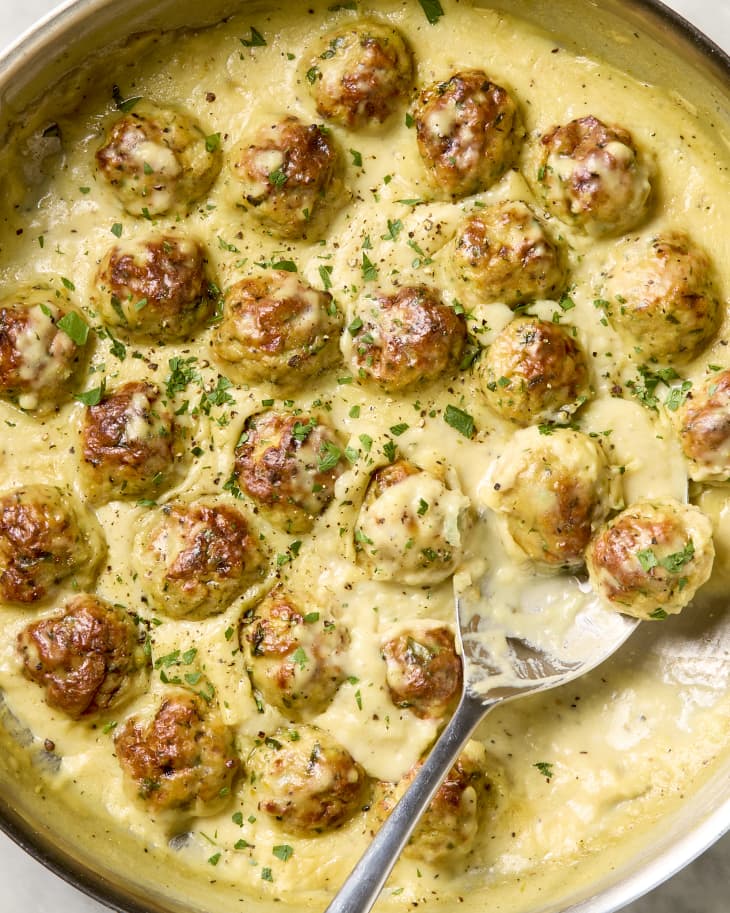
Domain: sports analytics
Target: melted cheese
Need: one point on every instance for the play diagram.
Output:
(622, 743)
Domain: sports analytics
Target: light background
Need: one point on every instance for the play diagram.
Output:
(702, 887)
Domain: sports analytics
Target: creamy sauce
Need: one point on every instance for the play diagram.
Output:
(621, 744)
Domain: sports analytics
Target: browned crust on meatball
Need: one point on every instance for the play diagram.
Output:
(273, 634)
(387, 476)
(371, 87)
(183, 756)
(167, 276)
(37, 546)
(534, 369)
(426, 673)
(85, 657)
(705, 426)
(569, 528)
(411, 336)
(483, 140)
(131, 467)
(283, 463)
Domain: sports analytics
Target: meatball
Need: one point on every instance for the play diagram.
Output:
(422, 670)
(154, 289)
(277, 328)
(590, 175)
(503, 253)
(47, 537)
(411, 526)
(662, 299)
(651, 559)
(183, 758)
(158, 161)
(704, 430)
(288, 465)
(309, 783)
(294, 654)
(534, 371)
(404, 338)
(552, 492)
(129, 444)
(290, 176)
(468, 132)
(358, 73)
(43, 344)
(194, 559)
(449, 826)
(89, 658)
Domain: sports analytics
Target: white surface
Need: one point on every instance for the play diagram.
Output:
(701, 888)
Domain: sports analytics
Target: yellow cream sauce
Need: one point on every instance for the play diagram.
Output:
(622, 743)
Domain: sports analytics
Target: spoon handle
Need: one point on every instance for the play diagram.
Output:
(365, 882)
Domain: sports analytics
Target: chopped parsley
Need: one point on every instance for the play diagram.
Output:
(75, 327)
(329, 456)
(256, 40)
(283, 852)
(213, 142)
(545, 768)
(92, 397)
(369, 270)
(459, 420)
(433, 10)
(356, 158)
(397, 430)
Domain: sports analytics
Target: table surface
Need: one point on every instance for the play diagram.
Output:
(699, 888)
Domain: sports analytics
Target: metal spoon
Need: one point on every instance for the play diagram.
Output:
(501, 662)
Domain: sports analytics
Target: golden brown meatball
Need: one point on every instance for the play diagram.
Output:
(47, 537)
(662, 298)
(129, 444)
(552, 491)
(194, 559)
(704, 429)
(534, 371)
(503, 253)
(43, 343)
(404, 338)
(422, 670)
(468, 132)
(89, 657)
(358, 73)
(158, 161)
(183, 758)
(294, 654)
(277, 328)
(651, 559)
(310, 783)
(289, 172)
(590, 175)
(154, 289)
(288, 465)
(411, 526)
(449, 826)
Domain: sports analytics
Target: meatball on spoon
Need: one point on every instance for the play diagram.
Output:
(500, 663)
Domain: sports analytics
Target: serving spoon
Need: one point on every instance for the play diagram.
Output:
(502, 659)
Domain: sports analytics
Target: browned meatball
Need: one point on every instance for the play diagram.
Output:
(404, 338)
(591, 176)
(288, 464)
(294, 654)
(651, 559)
(154, 289)
(46, 537)
(43, 343)
(310, 784)
(184, 758)
(422, 670)
(468, 132)
(534, 371)
(277, 328)
(358, 73)
(551, 491)
(289, 172)
(503, 253)
(449, 827)
(662, 298)
(158, 160)
(194, 559)
(704, 430)
(129, 445)
(89, 658)
(411, 526)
